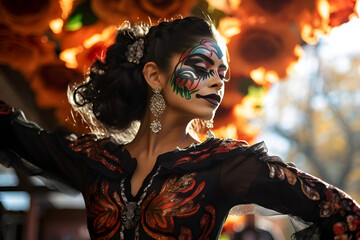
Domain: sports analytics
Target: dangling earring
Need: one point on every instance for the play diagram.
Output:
(157, 107)
(209, 125)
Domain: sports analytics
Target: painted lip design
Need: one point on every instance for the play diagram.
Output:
(211, 98)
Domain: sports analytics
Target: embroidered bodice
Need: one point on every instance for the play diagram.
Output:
(189, 192)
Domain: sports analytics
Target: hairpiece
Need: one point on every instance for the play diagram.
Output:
(135, 51)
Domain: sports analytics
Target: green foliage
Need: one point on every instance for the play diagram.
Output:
(81, 16)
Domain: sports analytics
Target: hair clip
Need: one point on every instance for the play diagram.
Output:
(135, 51)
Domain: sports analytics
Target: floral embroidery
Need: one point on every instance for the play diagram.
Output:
(338, 203)
(306, 181)
(353, 222)
(101, 210)
(159, 210)
(95, 150)
(339, 228)
(207, 222)
(198, 156)
(185, 234)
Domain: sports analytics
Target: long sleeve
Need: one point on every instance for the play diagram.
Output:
(26, 146)
(255, 177)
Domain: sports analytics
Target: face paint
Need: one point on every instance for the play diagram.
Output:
(188, 73)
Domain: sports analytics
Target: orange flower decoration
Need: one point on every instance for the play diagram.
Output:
(82, 47)
(112, 12)
(268, 45)
(326, 15)
(73, 39)
(29, 18)
(163, 8)
(89, 55)
(341, 11)
(50, 86)
(94, 48)
(274, 9)
(229, 27)
(24, 53)
(116, 12)
(227, 6)
(228, 123)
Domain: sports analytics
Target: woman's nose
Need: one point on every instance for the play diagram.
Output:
(215, 81)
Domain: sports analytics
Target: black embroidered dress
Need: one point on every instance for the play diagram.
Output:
(189, 192)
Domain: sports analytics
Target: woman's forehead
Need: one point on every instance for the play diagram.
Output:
(209, 49)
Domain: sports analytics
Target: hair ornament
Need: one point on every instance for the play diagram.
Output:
(135, 51)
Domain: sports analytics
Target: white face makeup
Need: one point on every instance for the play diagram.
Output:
(197, 82)
(195, 65)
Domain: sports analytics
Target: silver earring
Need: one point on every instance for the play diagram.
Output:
(209, 125)
(157, 107)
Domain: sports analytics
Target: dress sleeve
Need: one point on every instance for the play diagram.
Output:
(26, 146)
(269, 182)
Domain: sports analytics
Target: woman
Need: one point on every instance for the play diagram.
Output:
(165, 184)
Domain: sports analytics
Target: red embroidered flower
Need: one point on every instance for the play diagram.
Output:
(207, 222)
(353, 222)
(94, 149)
(102, 210)
(160, 209)
(339, 228)
(185, 233)
(331, 206)
(198, 156)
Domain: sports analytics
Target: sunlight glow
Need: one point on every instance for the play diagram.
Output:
(105, 36)
(69, 57)
(88, 43)
(324, 8)
(229, 27)
(56, 25)
(66, 6)
(263, 77)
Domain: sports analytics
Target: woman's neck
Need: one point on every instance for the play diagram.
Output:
(173, 134)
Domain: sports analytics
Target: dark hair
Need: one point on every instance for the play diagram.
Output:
(116, 91)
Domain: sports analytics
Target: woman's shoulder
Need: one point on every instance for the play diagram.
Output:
(100, 153)
(208, 153)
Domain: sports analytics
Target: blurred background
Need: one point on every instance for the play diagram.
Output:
(295, 84)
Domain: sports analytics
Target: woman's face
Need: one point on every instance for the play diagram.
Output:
(196, 84)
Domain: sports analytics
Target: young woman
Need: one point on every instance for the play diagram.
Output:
(164, 183)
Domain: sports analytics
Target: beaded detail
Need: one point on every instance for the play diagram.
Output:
(135, 51)
(132, 213)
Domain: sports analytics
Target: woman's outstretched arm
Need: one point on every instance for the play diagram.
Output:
(26, 146)
(256, 177)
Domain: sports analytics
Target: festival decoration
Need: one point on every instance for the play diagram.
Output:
(53, 42)
(29, 18)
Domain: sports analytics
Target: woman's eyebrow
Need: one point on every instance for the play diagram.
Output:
(223, 66)
(206, 58)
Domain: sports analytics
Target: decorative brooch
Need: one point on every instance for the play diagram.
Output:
(135, 51)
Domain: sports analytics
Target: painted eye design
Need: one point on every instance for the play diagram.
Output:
(202, 72)
(222, 76)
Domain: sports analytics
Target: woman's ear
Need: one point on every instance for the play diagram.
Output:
(152, 75)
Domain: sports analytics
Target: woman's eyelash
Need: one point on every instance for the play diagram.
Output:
(203, 73)
(222, 77)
